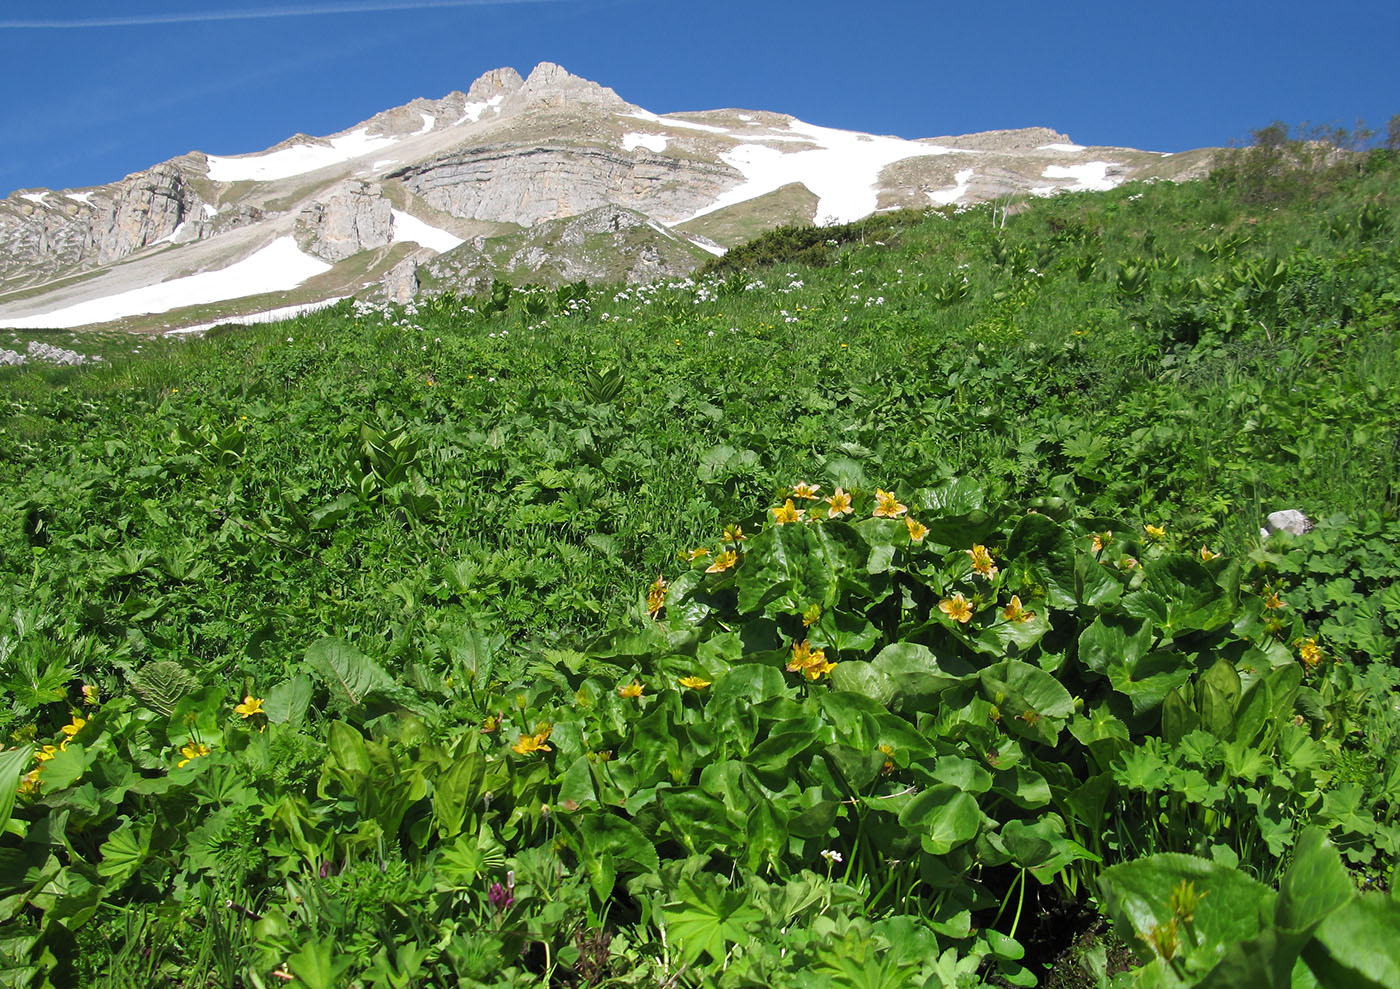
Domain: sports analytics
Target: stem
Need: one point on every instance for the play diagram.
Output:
(1021, 902)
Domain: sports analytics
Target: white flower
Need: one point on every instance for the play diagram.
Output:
(832, 856)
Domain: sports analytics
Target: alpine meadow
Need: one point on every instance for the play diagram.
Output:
(886, 604)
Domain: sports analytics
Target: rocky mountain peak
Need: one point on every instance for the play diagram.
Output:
(502, 82)
(553, 85)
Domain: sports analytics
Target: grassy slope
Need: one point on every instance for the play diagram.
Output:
(1097, 353)
(1049, 376)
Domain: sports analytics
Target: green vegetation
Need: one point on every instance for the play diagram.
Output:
(886, 608)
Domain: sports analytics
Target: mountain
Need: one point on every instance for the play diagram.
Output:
(547, 178)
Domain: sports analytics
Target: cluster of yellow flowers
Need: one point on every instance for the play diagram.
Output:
(1310, 653)
(811, 663)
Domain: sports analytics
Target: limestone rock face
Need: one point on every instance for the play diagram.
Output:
(401, 283)
(149, 208)
(351, 218)
(526, 184)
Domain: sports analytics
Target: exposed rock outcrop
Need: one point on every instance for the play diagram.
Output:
(401, 283)
(351, 218)
(525, 184)
(150, 206)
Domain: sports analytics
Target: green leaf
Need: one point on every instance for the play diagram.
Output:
(456, 790)
(1232, 907)
(944, 817)
(912, 674)
(576, 785)
(13, 764)
(122, 854)
(705, 918)
(1218, 695)
(349, 674)
(1033, 703)
(1114, 641)
(1358, 945)
(1315, 885)
(608, 845)
(317, 966)
(288, 702)
(1050, 549)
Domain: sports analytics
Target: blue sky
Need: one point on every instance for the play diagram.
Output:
(91, 95)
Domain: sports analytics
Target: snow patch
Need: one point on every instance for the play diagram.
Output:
(296, 160)
(945, 197)
(652, 142)
(1092, 176)
(674, 122)
(841, 170)
(210, 211)
(428, 121)
(83, 197)
(409, 227)
(276, 268)
(746, 118)
(1067, 148)
(267, 316)
(705, 244)
(35, 197)
(472, 112)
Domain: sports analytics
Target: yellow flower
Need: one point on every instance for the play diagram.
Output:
(1014, 612)
(694, 683)
(1156, 533)
(90, 695)
(656, 596)
(787, 513)
(74, 727)
(982, 561)
(251, 705)
(191, 751)
(1101, 539)
(840, 503)
(29, 782)
(1310, 653)
(810, 662)
(46, 753)
(957, 608)
(694, 554)
(723, 562)
(811, 616)
(490, 724)
(887, 505)
(1274, 601)
(630, 691)
(917, 531)
(805, 490)
(888, 752)
(734, 534)
(1207, 555)
(535, 742)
